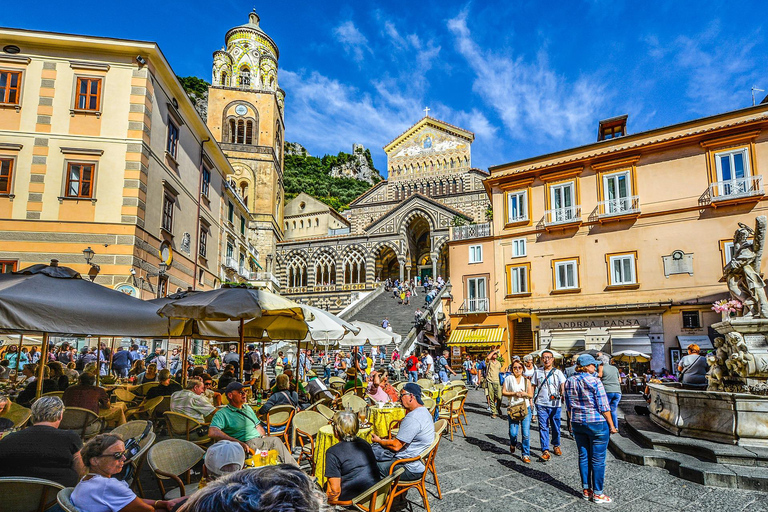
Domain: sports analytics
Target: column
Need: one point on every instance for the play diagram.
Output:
(433, 257)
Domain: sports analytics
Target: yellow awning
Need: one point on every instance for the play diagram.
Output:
(477, 337)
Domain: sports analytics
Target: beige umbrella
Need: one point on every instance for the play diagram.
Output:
(631, 356)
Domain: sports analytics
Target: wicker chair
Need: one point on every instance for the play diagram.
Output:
(145, 409)
(280, 416)
(171, 458)
(425, 383)
(440, 426)
(353, 402)
(83, 421)
(430, 404)
(142, 389)
(450, 411)
(18, 414)
(184, 427)
(65, 501)
(307, 424)
(399, 386)
(336, 383)
(427, 457)
(462, 413)
(124, 395)
(160, 409)
(379, 497)
(134, 429)
(24, 494)
(325, 411)
(54, 393)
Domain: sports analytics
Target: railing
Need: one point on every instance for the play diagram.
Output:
(619, 206)
(406, 344)
(244, 272)
(470, 231)
(231, 262)
(566, 215)
(739, 187)
(264, 276)
(339, 231)
(474, 306)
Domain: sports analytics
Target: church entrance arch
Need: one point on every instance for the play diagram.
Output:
(386, 264)
(419, 242)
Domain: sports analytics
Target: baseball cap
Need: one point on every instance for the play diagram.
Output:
(415, 390)
(223, 454)
(233, 386)
(587, 359)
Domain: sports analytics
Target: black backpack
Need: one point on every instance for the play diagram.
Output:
(132, 447)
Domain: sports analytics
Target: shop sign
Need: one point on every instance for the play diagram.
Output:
(456, 351)
(598, 323)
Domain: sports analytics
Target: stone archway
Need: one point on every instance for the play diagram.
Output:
(417, 229)
(386, 262)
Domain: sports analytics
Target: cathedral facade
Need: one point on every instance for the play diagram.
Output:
(397, 229)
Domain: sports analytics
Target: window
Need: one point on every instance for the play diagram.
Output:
(728, 251)
(88, 94)
(10, 86)
(732, 172)
(6, 175)
(517, 276)
(201, 276)
(566, 274)
(354, 267)
(241, 263)
(691, 320)
(562, 202)
(517, 206)
(622, 269)
(203, 251)
(205, 186)
(7, 266)
(173, 139)
(242, 225)
(167, 221)
(297, 273)
(79, 180)
(325, 270)
(617, 189)
(230, 251)
(475, 253)
(477, 300)
(230, 212)
(518, 247)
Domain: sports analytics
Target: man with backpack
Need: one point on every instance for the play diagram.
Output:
(444, 367)
(493, 368)
(549, 382)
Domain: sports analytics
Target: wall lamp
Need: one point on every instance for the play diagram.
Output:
(89, 253)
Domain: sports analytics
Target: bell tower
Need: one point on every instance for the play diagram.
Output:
(246, 116)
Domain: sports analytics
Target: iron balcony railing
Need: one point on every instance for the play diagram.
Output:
(566, 215)
(474, 306)
(232, 263)
(619, 206)
(470, 231)
(739, 187)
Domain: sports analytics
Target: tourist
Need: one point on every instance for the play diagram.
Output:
(121, 362)
(227, 376)
(251, 362)
(416, 433)
(549, 383)
(87, 395)
(14, 361)
(592, 425)
(150, 375)
(192, 402)
(467, 366)
(5, 370)
(375, 390)
(389, 389)
(493, 384)
(134, 354)
(175, 363)
(104, 456)
(692, 369)
(213, 364)
(281, 396)
(28, 394)
(279, 363)
(71, 373)
(223, 458)
(444, 367)
(166, 386)
(213, 396)
(412, 367)
(281, 488)
(42, 450)
(570, 370)
(353, 382)
(395, 354)
(609, 376)
(237, 422)
(350, 465)
(519, 390)
(429, 365)
(137, 369)
(385, 323)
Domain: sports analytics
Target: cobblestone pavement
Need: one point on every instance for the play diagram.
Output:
(478, 473)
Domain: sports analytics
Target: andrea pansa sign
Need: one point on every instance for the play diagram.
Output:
(599, 322)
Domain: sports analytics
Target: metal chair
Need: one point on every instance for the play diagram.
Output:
(306, 425)
(280, 416)
(24, 494)
(427, 457)
(378, 498)
(171, 458)
(18, 414)
(134, 429)
(462, 413)
(64, 499)
(83, 421)
(450, 411)
(353, 402)
(440, 426)
(184, 427)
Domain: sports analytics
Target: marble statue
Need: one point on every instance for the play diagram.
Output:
(742, 273)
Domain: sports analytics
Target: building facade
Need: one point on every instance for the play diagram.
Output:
(397, 229)
(614, 245)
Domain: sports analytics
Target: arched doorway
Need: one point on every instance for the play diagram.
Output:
(419, 242)
(387, 266)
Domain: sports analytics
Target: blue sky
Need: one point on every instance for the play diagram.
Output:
(526, 77)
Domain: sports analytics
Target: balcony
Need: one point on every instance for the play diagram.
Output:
(471, 231)
(474, 306)
(739, 190)
(244, 272)
(267, 277)
(560, 218)
(618, 209)
(231, 263)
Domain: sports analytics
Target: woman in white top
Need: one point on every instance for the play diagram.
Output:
(519, 389)
(104, 456)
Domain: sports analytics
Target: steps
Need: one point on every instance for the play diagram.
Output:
(401, 317)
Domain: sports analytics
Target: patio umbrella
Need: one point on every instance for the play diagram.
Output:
(593, 353)
(631, 356)
(369, 333)
(537, 353)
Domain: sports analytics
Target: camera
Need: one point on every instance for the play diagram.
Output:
(554, 398)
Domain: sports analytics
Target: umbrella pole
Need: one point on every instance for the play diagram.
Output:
(18, 356)
(242, 348)
(298, 362)
(41, 370)
(98, 359)
(111, 354)
(263, 370)
(184, 352)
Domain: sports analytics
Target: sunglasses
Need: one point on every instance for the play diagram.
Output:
(116, 455)
(405, 394)
(208, 384)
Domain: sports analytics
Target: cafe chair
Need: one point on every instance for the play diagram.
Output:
(185, 427)
(353, 402)
(326, 411)
(169, 460)
(399, 386)
(336, 383)
(84, 422)
(142, 389)
(378, 498)
(425, 383)
(144, 409)
(393, 429)
(450, 411)
(280, 417)
(18, 414)
(54, 393)
(130, 430)
(430, 404)
(402, 487)
(24, 494)
(160, 409)
(65, 501)
(124, 395)
(306, 425)
(462, 413)
(440, 426)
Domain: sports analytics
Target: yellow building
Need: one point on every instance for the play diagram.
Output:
(615, 245)
(101, 148)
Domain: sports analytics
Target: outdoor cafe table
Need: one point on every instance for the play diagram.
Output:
(381, 418)
(325, 439)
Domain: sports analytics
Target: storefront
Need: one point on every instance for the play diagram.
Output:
(476, 341)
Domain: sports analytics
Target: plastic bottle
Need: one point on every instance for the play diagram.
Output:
(265, 458)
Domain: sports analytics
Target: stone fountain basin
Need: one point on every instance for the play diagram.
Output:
(733, 418)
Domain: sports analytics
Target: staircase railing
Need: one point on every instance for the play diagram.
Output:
(353, 309)
(406, 345)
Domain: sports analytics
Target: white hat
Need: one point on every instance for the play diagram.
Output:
(223, 454)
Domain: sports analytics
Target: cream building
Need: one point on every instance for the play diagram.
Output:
(615, 245)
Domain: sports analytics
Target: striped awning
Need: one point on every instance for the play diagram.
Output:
(477, 337)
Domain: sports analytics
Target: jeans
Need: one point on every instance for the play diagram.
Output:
(413, 376)
(468, 376)
(592, 443)
(613, 400)
(327, 374)
(546, 415)
(514, 427)
(122, 372)
(443, 376)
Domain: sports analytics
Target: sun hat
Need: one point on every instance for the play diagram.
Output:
(586, 360)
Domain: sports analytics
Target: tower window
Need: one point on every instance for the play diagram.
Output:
(245, 77)
(223, 78)
(241, 131)
(249, 132)
(232, 131)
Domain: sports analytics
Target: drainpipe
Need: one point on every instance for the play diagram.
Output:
(196, 254)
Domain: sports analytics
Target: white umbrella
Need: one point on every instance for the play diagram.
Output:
(326, 327)
(369, 333)
(631, 356)
(537, 353)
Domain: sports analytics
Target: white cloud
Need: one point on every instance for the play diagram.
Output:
(353, 41)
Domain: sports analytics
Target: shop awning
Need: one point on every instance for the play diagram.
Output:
(477, 337)
(256, 262)
(703, 342)
(636, 343)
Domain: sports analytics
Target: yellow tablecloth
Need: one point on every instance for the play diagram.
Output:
(114, 415)
(381, 418)
(325, 439)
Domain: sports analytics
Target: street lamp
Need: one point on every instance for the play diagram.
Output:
(163, 268)
(89, 254)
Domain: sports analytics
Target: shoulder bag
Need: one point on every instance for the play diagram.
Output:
(518, 411)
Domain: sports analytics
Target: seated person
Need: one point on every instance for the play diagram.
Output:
(192, 402)
(166, 387)
(289, 373)
(226, 377)
(223, 458)
(375, 390)
(58, 376)
(237, 422)
(148, 376)
(281, 488)
(281, 396)
(352, 380)
(87, 396)
(27, 395)
(42, 450)
(210, 394)
(389, 389)
(98, 492)
(5, 370)
(417, 431)
(350, 465)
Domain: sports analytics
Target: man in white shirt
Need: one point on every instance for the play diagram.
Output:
(430, 363)
(549, 382)
(192, 402)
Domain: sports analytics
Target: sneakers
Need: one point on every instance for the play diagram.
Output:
(526, 459)
(545, 456)
(601, 498)
(557, 451)
(493, 416)
(587, 494)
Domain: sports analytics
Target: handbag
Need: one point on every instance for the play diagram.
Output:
(472, 371)
(518, 411)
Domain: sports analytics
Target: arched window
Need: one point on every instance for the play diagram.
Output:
(317, 222)
(245, 76)
(325, 270)
(240, 138)
(294, 224)
(297, 273)
(301, 224)
(223, 78)
(249, 132)
(466, 162)
(354, 268)
(232, 131)
(453, 163)
(243, 189)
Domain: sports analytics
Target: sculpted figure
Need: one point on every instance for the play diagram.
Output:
(742, 273)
